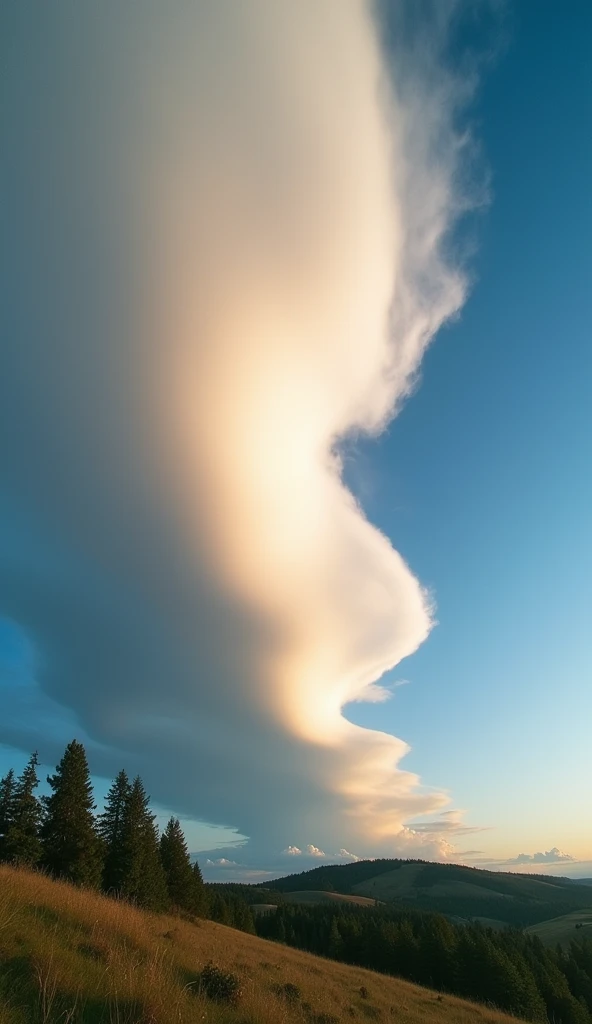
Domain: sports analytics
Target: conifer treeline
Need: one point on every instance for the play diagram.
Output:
(119, 851)
(507, 968)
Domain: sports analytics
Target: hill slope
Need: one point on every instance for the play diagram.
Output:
(450, 889)
(565, 929)
(75, 957)
(318, 896)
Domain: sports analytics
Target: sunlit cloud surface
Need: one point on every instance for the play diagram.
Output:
(228, 227)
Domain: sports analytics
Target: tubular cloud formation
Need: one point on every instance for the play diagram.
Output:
(227, 228)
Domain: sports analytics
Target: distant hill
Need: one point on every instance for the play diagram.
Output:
(71, 955)
(454, 890)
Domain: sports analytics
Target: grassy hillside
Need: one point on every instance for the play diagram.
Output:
(564, 929)
(73, 957)
(451, 889)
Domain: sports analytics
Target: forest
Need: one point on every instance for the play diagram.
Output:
(504, 968)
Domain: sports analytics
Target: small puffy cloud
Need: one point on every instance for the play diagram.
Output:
(553, 856)
(222, 862)
(314, 851)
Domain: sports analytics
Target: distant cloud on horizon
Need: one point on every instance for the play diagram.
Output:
(313, 851)
(553, 856)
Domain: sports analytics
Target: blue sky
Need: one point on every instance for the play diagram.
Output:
(482, 483)
(484, 480)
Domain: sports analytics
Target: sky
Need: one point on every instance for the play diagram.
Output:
(295, 430)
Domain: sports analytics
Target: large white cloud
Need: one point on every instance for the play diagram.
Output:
(226, 225)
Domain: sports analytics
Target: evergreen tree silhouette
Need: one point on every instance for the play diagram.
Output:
(335, 943)
(143, 880)
(111, 830)
(71, 845)
(180, 877)
(200, 895)
(242, 917)
(22, 843)
(7, 787)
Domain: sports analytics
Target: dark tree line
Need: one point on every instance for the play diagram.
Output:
(507, 968)
(119, 851)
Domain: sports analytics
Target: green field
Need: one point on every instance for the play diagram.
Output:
(563, 929)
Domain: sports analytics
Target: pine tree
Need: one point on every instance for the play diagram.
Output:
(180, 877)
(242, 916)
(218, 909)
(7, 787)
(335, 942)
(111, 831)
(71, 845)
(22, 843)
(143, 879)
(200, 895)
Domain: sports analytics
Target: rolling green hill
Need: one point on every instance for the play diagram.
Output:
(451, 889)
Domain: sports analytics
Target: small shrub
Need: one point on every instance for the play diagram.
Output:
(324, 1018)
(363, 992)
(223, 986)
(92, 952)
(291, 993)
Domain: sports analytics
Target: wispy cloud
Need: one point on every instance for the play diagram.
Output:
(448, 823)
(229, 231)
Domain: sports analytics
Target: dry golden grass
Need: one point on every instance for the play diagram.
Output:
(69, 956)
